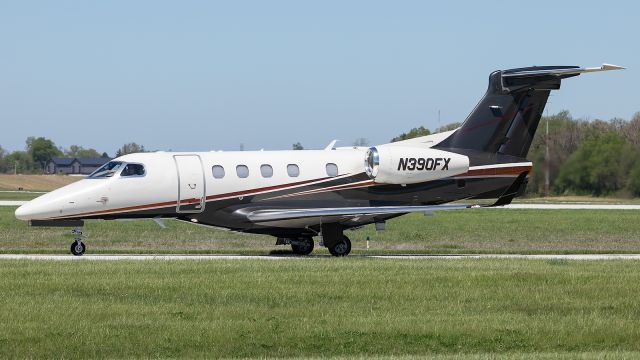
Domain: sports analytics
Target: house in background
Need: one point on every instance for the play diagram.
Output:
(75, 166)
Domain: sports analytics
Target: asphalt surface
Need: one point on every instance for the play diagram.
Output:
(573, 206)
(12, 203)
(588, 257)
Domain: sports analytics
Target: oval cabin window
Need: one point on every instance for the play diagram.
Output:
(218, 171)
(266, 170)
(242, 171)
(293, 170)
(332, 169)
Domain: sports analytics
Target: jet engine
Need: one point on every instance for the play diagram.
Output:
(409, 165)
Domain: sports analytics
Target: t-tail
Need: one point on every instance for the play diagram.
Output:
(506, 118)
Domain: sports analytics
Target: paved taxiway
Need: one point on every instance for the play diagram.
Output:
(572, 206)
(293, 257)
(12, 203)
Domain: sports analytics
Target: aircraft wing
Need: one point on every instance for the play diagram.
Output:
(315, 215)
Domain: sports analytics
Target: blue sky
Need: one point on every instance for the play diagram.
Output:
(202, 75)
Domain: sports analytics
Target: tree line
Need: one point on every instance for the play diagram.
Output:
(39, 150)
(586, 157)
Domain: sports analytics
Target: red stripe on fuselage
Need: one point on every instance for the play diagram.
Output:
(515, 170)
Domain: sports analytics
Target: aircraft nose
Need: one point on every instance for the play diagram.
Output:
(25, 212)
(57, 203)
(39, 209)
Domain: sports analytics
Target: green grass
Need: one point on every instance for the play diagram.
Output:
(325, 307)
(512, 230)
(463, 231)
(18, 195)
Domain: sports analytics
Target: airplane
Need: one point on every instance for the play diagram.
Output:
(298, 194)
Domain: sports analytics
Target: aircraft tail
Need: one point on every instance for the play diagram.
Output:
(506, 118)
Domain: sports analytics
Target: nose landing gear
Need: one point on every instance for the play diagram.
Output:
(77, 246)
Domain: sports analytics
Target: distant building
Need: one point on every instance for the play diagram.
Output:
(76, 165)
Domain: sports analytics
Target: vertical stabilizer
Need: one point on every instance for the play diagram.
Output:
(506, 118)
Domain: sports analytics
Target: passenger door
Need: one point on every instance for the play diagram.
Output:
(191, 184)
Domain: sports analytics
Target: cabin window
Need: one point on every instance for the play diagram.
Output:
(218, 171)
(133, 170)
(332, 169)
(266, 170)
(293, 170)
(242, 171)
(107, 170)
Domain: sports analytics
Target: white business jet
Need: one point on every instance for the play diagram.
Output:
(296, 195)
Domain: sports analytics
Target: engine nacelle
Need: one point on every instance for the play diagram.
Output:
(410, 165)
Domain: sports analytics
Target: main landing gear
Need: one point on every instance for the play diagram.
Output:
(336, 242)
(342, 247)
(299, 246)
(302, 246)
(333, 238)
(77, 246)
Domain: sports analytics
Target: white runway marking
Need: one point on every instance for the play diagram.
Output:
(575, 206)
(590, 257)
(12, 202)
(519, 256)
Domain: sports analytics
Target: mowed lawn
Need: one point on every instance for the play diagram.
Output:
(319, 307)
(18, 195)
(460, 231)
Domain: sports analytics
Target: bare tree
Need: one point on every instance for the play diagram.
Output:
(361, 142)
(631, 130)
(130, 148)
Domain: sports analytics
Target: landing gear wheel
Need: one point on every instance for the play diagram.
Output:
(77, 248)
(342, 247)
(302, 246)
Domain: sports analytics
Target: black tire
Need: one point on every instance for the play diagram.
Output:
(342, 247)
(78, 248)
(303, 247)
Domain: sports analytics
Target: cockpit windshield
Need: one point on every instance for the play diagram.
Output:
(107, 170)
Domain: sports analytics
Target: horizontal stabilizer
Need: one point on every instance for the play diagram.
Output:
(557, 71)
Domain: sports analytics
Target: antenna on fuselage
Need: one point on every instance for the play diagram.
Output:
(332, 145)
